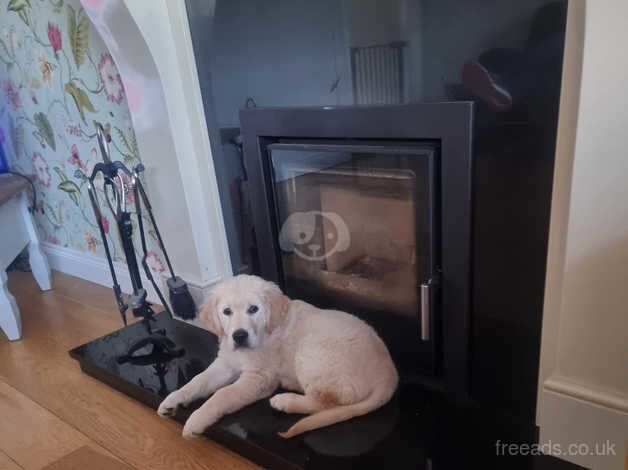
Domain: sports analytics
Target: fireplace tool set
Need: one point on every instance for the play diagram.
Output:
(119, 184)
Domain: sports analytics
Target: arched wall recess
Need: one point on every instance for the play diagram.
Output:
(149, 41)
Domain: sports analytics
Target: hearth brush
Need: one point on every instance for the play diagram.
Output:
(180, 298)
(116, 178)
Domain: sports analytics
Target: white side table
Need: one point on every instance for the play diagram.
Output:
(17, 231)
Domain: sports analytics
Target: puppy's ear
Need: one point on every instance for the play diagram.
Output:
(277, 304)
(209, 314)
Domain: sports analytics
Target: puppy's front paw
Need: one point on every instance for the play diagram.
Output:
(280, 402)
(194, 426)
(169, 406)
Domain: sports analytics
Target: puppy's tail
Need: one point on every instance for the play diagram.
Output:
(377, 398)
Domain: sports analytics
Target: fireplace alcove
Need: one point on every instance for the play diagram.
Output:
(339, 55)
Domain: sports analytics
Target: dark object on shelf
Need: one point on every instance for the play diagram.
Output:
(416, 429)
(29, 180)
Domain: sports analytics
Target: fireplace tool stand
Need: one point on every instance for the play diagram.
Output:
(119, 182)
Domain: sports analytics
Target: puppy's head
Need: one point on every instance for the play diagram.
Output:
(243, 310)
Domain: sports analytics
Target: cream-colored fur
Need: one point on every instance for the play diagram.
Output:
(337, 365)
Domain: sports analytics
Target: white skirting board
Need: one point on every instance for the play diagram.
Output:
(96, 269)
(583, 425)
(93, 268)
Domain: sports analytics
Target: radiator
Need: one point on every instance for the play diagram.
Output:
(378, 74)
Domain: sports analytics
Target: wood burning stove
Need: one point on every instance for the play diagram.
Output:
(368, 209)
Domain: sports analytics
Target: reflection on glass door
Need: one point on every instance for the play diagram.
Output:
(354, 224)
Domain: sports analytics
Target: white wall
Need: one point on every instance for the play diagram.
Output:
(583, 394)
(373, 22)
(280, 53)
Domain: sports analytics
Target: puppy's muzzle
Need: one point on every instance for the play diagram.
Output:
(240, 337)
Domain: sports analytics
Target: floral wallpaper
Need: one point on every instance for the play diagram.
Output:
(56, 79)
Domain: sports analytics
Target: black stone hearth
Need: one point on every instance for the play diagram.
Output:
(417, 429)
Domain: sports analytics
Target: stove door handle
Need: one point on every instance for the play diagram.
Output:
(426, 309)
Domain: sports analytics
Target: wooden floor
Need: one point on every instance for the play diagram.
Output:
(55, 417)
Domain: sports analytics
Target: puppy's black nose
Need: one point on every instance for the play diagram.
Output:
(240, 336)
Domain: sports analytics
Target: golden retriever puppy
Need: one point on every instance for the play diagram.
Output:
(337, 365)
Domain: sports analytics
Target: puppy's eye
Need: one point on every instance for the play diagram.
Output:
(227, 311)
(252, 309)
